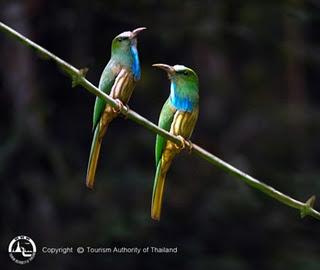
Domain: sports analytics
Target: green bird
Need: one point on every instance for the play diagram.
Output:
(179, 115)
(118, 80)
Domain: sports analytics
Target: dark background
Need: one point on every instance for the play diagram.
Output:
(258, 63)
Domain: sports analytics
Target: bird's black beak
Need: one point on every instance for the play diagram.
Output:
(169, 69)
(135, 32)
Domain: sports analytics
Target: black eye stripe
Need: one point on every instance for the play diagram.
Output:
(122, 38)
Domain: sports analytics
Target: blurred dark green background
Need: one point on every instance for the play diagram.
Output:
(258, 63)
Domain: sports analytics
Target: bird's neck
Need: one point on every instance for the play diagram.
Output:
(181, 98)
(129, 59)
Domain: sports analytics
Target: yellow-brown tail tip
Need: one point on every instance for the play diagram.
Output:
(90, 179)
(155, 215)
(89, 184)
(157, 194)
(93, 159)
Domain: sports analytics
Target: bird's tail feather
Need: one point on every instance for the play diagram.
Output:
(158, 188)
(94, 156)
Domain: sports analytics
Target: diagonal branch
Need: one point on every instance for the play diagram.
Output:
(78, 78)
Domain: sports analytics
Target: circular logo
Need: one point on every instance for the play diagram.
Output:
(22, 249)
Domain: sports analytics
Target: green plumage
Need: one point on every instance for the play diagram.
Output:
(105, 84)
(165, 121)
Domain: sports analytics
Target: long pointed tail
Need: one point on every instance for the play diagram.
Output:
(158, 188)
(94, 156)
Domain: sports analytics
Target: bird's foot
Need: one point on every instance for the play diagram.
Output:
(121, 108)
(185, 144)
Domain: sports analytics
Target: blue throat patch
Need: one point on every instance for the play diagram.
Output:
(181, 103)
(135, 64)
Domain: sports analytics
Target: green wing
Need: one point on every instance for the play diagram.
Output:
(165, 121)
(107, 80)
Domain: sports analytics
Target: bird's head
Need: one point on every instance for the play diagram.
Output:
(180, 75)
(124, 41)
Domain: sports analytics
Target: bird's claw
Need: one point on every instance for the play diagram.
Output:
(185, 144)
(121, 108)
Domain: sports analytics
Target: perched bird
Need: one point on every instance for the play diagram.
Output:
(118, 80)
(179, 115)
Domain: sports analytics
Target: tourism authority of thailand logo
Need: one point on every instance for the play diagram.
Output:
(22, 249)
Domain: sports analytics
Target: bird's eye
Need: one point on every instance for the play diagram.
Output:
(186, 73)
(122, 38)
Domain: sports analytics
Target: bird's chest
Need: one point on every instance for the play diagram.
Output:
(123, 86)
(122, 89)
(183, 123)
